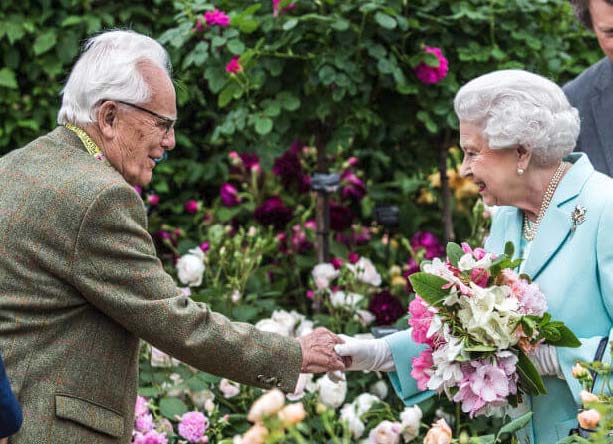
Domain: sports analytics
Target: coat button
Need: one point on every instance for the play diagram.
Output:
(271, 380)
(260, 378)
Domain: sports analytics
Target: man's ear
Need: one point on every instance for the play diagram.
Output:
(107, 119)
(523, 157)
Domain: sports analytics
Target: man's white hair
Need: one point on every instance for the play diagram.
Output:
(515, 107)
(108, 69)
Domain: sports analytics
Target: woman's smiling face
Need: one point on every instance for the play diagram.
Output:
(493, 171)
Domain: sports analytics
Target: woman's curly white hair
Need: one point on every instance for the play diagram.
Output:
(515, 107)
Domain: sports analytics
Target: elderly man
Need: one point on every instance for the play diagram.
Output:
(592, 91)
(79, 276)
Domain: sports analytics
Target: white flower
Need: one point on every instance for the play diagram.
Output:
(364, 317)
(379, 389)
(236, 296)
(331, 394)
(447, 373)
(273, 327)
(342, 299)
(190, 267)
(468, 262)
(411, 420)
(323, 274)
(365, 271)
(355, 425)
(284, 318)
(364, 402)
(304, 328)
(229, 388)
(202, 398)
(386, 432)
(161, 359)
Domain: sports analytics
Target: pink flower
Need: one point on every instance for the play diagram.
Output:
(480, 276)
(216, 18)
(138, 189)
(273, 212)
(532, 301)
(233, 66)
(204, 246)
(142, 406)
(484, 384)
(193, 425)
(337, 262)
(275, 8)
(421, 365)
(420, 320)
(144, 423)
(191, 206)
(151, 437)
(353, 161)
(310, 294)
(353, 257)
(229, 195)
(352, 187)
(153, 199)
(432, 74)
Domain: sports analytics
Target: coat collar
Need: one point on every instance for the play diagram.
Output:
(556, 225)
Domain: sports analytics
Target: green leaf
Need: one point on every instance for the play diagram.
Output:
(529, 376)
(483, 439)
(327, 74)
(235, 46)
(7, 78)
(290, 24)
(263, 125)
(509, 249)
(454, 253)
(228, 93)
(340, 25)
(149, 392)
(567, 338)
(429, 287)
(71, 20)
(44, 42)
(516, 424)
(172, 407)
(385, 21)
(244, 313)
(288, 101)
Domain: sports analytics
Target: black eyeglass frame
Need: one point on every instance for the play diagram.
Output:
(170, 122)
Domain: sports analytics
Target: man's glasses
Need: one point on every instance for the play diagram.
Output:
(166, 123)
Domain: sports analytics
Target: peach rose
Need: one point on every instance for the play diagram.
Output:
(266, 405)
(255, 435)
(588, 397)
(589, 419)
(439, 433)
(292, 414)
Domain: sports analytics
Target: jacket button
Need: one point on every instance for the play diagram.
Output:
(272, 380)
(260, 378)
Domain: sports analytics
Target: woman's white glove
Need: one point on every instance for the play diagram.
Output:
(545, 359)
(366, 354)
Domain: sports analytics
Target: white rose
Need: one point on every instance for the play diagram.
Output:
(161, 359)
(201, 398)
(342, 299)
(323, 274)
(229, 388)
(386, 432)
(236, 296)
(190, 267)
(266, 405)
(331, 394)
(355, 425)
(411, 420)
(364, 402)
(284, 318)
(366, 272)
(364, 317)
(304, 328)
(379, 389)
(272, 327)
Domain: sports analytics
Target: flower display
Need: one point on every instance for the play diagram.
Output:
(471, 311)
(432, 74)
(386, 307)
(193, 425)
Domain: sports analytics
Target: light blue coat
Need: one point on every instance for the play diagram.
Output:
(574, 269)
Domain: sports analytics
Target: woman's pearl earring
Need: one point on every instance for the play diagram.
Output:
(520, 171)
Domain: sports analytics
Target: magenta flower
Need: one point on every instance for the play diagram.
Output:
(353, 257)
(421, 365)
(275, 8)
(353, 161)
(216, 18)
(273, 212)
(144, 423)
(337, 262)
(193, 425)
(142, 405)
(138, 189)
(310, 294)
(289, 169)
(386, 307)
(352, 187)
(300, 241)
(420, 320)
(480, 276)
(229, 195)
(432, 74)
(205, 246)
(341, 217)
(233, 66)
(429, 242)
(151, 437)
(191, 206)
(153, 199)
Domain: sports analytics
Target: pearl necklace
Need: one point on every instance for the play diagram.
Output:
(529, 229)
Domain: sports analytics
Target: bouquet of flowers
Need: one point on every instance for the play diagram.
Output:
(480, 319)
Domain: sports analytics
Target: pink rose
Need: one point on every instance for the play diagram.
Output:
(233, 66)
(589, 419)
(153, 199)
(216, 18)
(432, 74)
(191, 206)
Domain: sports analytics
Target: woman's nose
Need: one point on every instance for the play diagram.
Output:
(465, 168)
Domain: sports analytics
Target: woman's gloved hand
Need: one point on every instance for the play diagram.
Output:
(366, 354)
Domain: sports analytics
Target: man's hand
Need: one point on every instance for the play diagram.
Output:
(318, 355)
(4, 441)
(366, 354)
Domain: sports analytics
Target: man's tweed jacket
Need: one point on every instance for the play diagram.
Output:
(80, 284)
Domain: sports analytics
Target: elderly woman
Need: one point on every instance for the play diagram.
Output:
(517, 131)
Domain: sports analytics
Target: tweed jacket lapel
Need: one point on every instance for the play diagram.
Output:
(602, 110)
(556, 226)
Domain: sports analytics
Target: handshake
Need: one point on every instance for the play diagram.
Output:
(323, 351)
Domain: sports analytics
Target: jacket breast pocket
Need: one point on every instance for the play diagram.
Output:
(89, 414)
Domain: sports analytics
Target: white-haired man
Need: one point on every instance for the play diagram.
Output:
(592, 91)
(79, 277)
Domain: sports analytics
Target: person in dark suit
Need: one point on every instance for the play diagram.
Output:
(592, 91)
(10, 410)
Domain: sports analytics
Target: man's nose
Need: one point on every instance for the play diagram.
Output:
(169, 142)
